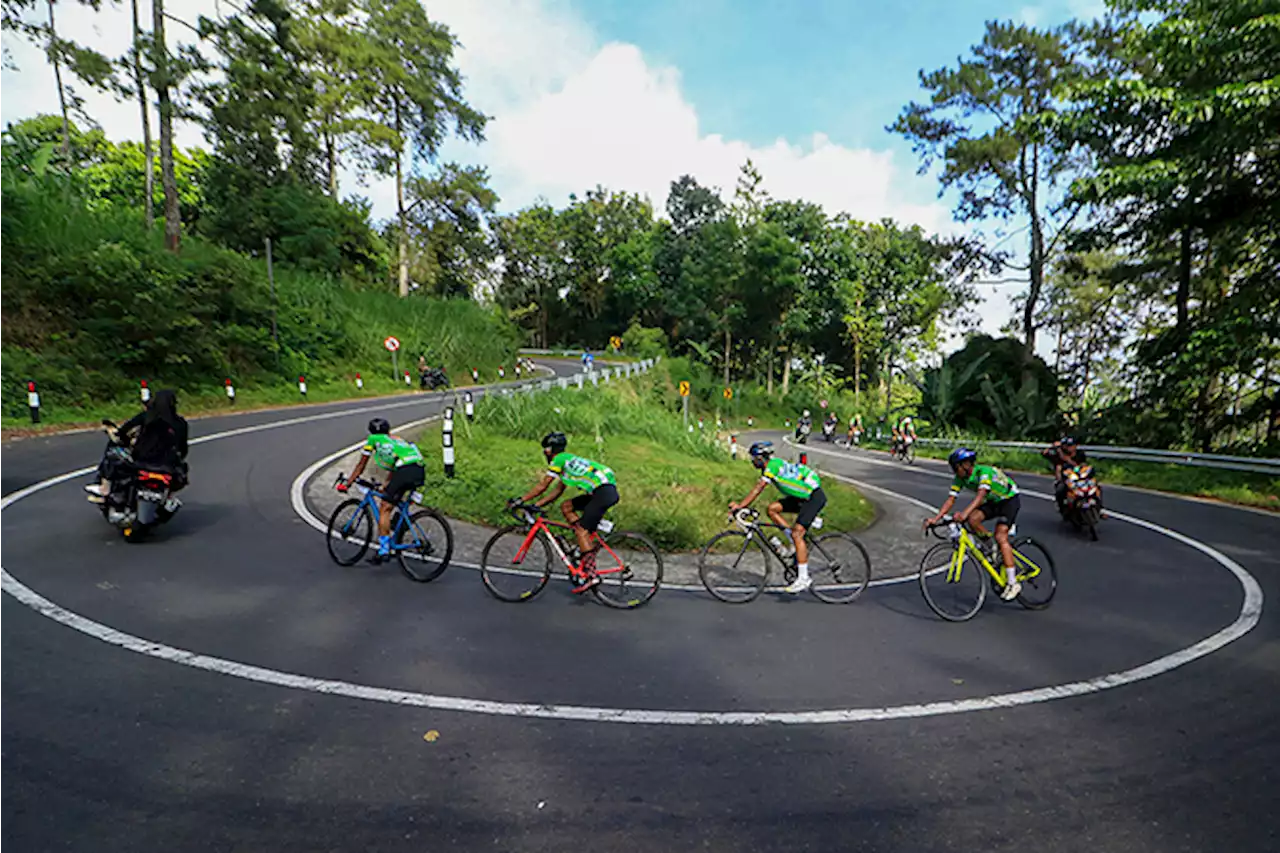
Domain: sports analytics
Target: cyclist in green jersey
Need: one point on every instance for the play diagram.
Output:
(585, 511)
(402, 460)
(802, 494)
(996, 501)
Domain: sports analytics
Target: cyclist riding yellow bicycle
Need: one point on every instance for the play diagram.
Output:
(584, 512)
(996, 501)
(801, 488)
(403, 460)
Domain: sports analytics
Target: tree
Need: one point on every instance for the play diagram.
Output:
(983, 122)
(532, 257)
(411, 94)
(448, 213)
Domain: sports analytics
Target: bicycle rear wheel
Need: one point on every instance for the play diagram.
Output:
(1036, 571)
(733, 567)
(630, 580)
(350, 532)
(840, 568)
(432, 540)
(954, 598)
(510, 575)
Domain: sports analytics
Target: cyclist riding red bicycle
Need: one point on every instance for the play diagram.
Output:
(585, 511)
(403, 460)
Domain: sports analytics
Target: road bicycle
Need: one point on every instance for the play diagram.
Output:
(904, 450)
(957, 595)
(517, 561)
(421, 540)
(734, 565)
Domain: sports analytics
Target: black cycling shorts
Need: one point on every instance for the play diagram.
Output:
(1002, 512)
(806, 509)
(403, 480)
(591, 506)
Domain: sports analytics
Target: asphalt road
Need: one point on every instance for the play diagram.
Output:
(105, 748)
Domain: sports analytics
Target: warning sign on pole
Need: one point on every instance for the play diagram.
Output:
(728, 393)
(684, 389)
(391, 343)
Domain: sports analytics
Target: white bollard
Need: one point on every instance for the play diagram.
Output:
(469, 406)
(446, 439)
(406, 379)
(359, 382)
(145, 393)
(231, 393)
(33, 402)
(581, 380)
(302, 385)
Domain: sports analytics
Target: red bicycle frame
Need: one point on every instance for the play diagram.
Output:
(541, 525)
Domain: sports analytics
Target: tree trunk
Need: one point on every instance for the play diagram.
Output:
(172, 212)
(786, 370)
(1184, 278)
(727, 340)
(57, 76)
(857, 372)
(888, 385)
(1036, 262)
(402, 239)
(148, 166)
(331, 157)
(769, 368)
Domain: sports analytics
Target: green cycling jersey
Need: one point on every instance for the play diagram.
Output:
(792, 478)
(580, 473)
(391, 451)
(1000, 487)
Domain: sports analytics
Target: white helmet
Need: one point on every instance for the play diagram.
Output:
(806, 413)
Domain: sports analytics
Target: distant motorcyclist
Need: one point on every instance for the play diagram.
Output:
(829, 426)
(1063, 454)
(158, 435)
(804, 426)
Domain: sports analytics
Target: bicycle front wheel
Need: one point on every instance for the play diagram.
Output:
(350, 532)
(431, 541)
(733, 567)
(1037, 573)
(840, 568)
(956, 593)
(512, 572)
(630, 571)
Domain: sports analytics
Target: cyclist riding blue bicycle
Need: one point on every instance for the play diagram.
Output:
(996, 500)
(585, 511)
(402, 460)
(801, 488)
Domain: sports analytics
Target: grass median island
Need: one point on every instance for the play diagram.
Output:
(674, 486)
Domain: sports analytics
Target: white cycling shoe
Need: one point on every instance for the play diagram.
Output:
(1011, 591)
(799, 585)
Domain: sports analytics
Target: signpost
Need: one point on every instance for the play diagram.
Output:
(616, 343)
(684, 400)
(392, 344)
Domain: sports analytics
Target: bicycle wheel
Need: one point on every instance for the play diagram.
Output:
(510, 575)
(631, 574)
(840, 568)
(1037, 573)
(432, 541)
(350, 532)
(733, 567)
(954, 598)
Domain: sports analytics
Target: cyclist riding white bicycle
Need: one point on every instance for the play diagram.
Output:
(904, 431)
(801, 488)
(402, 460)
(996, 500)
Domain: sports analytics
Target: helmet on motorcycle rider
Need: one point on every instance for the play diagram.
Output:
(555, 442)
(806, 413)
(1067, 441)
(760, 453)
(961, 455)
(379, 426)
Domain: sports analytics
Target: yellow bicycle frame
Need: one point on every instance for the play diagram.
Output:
(1025, 568)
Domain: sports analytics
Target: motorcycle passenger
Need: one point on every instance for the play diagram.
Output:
(829, 426)
(159, 438)
(1063, 455)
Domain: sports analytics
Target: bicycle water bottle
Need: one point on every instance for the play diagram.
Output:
(776, 543)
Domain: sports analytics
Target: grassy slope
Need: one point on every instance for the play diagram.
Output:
(674, 495)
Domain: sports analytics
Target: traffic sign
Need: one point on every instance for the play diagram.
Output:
(391, 343)
(822, 403)
(728, 393)
(615, 342)
(684, 389)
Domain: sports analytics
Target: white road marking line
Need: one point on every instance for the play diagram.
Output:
(1250, 614)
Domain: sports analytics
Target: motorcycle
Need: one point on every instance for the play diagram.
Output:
(829, 431)
(802, 432)
(140, 499)
(1082, 503)
(433, 378)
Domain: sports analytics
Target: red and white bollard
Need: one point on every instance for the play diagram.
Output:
(750, 421)
(475, 375)
(231, 393)
(406, 379)
(359, 382)
(502, 372)
(33, 401)
(144, 392)
(302, 385)
(517, 371)
(733, 445)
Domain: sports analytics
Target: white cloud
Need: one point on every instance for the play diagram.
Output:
(1032, 16)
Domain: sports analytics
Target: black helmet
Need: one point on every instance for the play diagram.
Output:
(379, 426)
(1067, 441)
(959, 455)
(556, 442)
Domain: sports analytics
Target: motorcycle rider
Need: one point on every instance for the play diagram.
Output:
(159, 437)
(804, 425)
(1063, 454)
(829, 426)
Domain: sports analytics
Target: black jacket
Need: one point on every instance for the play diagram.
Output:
(159, 442)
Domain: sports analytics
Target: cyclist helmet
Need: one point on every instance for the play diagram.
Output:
(760, 453)
(960, 455)
(556, 442)
(379, 426)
